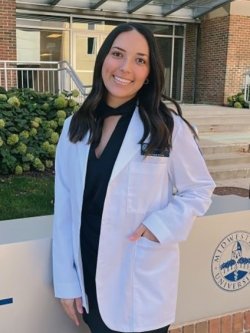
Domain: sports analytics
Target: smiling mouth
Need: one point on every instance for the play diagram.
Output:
(121, 81)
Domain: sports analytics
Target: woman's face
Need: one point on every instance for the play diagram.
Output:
(126, 67)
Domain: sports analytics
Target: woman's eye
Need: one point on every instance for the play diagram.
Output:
(140, 61)
(117, 54)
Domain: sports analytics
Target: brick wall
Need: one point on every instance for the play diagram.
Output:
(7, 36)
(8, 30)
(238, 322)
(212, 60)
(190, 64)
(223, 59)
(238, 56)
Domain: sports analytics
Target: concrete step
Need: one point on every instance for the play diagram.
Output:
(219, 119)
(214, 128)
(239, 182)
(208, 110)
(225, 138)
(220, 112)
(231, 158)
(223, 172)
(209, 148)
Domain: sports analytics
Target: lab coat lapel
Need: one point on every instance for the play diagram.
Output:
(81, 169)
(130, 145)
(83, 153)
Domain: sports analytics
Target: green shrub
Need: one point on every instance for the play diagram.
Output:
(238, 105)
(30, 125)
(237, 101)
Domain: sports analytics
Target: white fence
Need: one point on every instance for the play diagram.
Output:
(42, 76)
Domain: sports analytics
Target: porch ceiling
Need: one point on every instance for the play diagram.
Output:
(179, 9)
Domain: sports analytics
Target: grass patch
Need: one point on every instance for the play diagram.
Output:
(26, 196)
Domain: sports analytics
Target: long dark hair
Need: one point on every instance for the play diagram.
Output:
(157, 118)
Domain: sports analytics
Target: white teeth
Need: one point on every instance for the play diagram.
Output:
(122, 81)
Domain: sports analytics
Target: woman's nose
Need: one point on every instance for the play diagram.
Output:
(126, 65)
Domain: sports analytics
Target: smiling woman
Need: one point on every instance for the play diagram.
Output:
(117, 224)
(126, 67)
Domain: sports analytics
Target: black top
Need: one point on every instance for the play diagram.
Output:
(97, 178)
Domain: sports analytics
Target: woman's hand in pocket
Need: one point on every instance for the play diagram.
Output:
(143, 231)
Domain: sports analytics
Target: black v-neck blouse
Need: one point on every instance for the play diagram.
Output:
(96, 182)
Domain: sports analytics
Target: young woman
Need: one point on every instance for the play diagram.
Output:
(130, 181)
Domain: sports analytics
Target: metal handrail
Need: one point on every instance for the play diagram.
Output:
(19, 72)
(64, 65)
(247, 88)
(28, 62)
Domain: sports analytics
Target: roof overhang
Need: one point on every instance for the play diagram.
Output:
(160, 10)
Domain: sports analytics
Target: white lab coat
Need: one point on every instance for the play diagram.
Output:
(136, 282)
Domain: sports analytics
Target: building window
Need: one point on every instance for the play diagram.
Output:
(42, 45)
(91, 45)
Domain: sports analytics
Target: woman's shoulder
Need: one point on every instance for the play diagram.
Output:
(64, 136)
(67, 122)
(172, 118)
(177, 119)
(181, 125)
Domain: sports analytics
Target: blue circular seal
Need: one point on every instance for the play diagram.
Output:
(231, 261)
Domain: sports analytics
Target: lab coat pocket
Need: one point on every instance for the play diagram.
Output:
(149, 242)
(155, 276)
(145, 185)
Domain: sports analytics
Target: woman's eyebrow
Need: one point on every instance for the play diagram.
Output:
(121, 49)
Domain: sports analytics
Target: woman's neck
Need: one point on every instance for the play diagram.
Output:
(117, 102)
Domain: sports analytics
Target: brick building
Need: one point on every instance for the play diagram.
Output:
(204, 43)
(222, 57)
(8, 30)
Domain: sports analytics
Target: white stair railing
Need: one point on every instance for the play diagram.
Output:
(247, 88)
(42, 76)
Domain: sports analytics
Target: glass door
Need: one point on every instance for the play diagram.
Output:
(165, 46)
(177, 69)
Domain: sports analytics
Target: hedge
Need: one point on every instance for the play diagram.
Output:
(30, 125)
(237, 101)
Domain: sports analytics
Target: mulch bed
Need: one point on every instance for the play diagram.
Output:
(34, 174)
(227, 190)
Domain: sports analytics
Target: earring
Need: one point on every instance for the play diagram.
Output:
(146, 81)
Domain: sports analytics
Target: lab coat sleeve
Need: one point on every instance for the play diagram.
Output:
(189, 175)
(65, 279)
